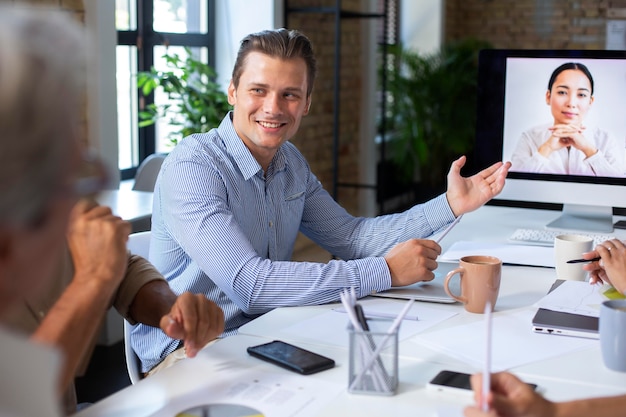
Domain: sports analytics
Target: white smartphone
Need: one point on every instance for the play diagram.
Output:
(455, 382)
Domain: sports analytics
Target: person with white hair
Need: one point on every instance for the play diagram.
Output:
(63, 258)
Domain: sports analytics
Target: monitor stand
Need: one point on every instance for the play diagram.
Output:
(595, 219)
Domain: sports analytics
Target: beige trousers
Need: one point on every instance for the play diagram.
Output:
(176, 356)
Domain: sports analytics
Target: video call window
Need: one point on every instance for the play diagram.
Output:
(571, 130)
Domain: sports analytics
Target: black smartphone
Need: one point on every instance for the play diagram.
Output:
(620, 224)
(291, 357)
(455, 382)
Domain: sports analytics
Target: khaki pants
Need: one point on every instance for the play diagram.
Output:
(177, 355)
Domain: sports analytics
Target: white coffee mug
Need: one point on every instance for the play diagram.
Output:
(566, 248)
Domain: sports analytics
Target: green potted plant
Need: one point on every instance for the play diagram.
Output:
(195, 102)
(432, 111)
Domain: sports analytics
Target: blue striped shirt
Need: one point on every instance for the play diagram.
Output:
(222, 227)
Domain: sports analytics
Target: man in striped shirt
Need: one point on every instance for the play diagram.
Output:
(228, 206)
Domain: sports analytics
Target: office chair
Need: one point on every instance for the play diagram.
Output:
(133, 364)
(147, 172)
(138, 244)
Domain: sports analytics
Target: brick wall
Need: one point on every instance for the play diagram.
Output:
(531, 24)
(315, 138)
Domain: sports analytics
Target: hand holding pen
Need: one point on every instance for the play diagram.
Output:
(607, 264)
(416, 259)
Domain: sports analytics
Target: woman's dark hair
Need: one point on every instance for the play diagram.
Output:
(570, 66)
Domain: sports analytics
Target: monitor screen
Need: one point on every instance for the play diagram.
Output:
(559, 117)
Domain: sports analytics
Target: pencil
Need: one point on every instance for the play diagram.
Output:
(445, 232)
(487, 364)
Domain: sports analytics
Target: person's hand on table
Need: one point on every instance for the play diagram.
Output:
(194, 319)
(510, 397)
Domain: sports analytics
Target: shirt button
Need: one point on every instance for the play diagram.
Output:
(271, 224)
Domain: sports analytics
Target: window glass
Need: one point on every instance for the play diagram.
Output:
(180, 16)
(125, 15)
(127, 106)
(163, 127)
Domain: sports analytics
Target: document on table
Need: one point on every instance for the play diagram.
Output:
(578, 297)
(317, 328)
(272, 394)
(513, 342)
(508, 253)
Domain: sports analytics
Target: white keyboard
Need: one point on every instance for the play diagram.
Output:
(544, 237)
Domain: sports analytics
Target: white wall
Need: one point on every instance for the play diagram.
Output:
(235, 20)
(102, 90)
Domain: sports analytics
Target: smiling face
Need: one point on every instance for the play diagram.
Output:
(269, 103)
(570, 98)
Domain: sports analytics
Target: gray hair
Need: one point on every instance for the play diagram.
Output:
(42, 81)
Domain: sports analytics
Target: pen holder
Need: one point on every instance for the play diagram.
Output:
(373, 359)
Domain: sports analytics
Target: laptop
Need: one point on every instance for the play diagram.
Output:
(565, 324)
(431, 291)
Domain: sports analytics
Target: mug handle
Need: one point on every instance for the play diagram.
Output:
(449, 276)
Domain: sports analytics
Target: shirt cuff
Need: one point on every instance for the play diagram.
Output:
(374, 275)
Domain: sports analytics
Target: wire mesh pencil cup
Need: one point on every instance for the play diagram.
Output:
(369, 373)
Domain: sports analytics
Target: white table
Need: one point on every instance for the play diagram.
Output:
(573, 375)
(131, 205)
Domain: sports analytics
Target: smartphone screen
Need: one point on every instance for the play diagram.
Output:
(291, 357)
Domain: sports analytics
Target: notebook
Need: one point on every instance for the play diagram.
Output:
(565, 324)
(431, 291)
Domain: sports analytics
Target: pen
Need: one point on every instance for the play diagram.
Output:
(487, 365)
(580, 261)
(360, 316)
(445, 232)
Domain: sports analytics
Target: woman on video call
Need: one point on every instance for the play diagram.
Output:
(567, 146)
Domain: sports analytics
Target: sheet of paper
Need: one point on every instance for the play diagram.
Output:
(508, 253)
(317, 329)
(513, 342)
(576, 297)
(272, 394)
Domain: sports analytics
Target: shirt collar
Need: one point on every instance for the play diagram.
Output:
(246, 163)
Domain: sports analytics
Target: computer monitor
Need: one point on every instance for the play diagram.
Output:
(515, 118)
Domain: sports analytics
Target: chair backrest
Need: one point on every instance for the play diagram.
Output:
(133, 364)
(147, 172)
(138, 244)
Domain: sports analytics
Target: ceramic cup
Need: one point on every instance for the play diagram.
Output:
(566, 248)
(480, 282)
(613, 334)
